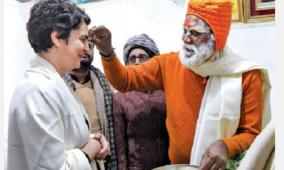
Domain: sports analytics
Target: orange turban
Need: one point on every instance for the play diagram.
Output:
(217, 14)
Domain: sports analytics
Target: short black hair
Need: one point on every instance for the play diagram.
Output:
(47, 16)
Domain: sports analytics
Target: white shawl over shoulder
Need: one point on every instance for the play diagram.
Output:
(220, 107)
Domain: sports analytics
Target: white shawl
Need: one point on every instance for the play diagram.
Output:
(220, 108)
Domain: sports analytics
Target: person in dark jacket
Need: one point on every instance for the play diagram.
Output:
(139, 118)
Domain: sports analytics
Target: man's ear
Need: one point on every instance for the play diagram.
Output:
(54, 38)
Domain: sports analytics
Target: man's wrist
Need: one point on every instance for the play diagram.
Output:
(109, 55)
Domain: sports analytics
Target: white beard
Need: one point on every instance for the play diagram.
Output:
(198, 55)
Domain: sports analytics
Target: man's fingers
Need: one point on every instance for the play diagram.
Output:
(105, 146)
(101, 37)
(97, 136)
(215, 156)
(102, 154)
(217, 164)
(91, 33)
(207, 162)
(94, 40)
(99, 32)
(223, 165)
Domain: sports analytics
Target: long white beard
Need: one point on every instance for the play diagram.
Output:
(198, 55)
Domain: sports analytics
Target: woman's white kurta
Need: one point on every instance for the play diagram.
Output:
(47, 123)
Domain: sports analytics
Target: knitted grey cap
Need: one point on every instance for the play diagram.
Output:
(140, 41)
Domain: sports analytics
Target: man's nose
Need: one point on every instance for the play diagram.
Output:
(186, 38)
(137, 61)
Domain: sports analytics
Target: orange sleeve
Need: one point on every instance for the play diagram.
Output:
(143, 77)
(251, 114)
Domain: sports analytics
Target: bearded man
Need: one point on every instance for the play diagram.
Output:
(95, 93)
(216, 101)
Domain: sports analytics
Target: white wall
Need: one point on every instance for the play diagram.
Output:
(1, 85)
(161, 19)
(279, 116)
(17, 52)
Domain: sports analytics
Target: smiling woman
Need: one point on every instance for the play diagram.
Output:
(45, 130)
